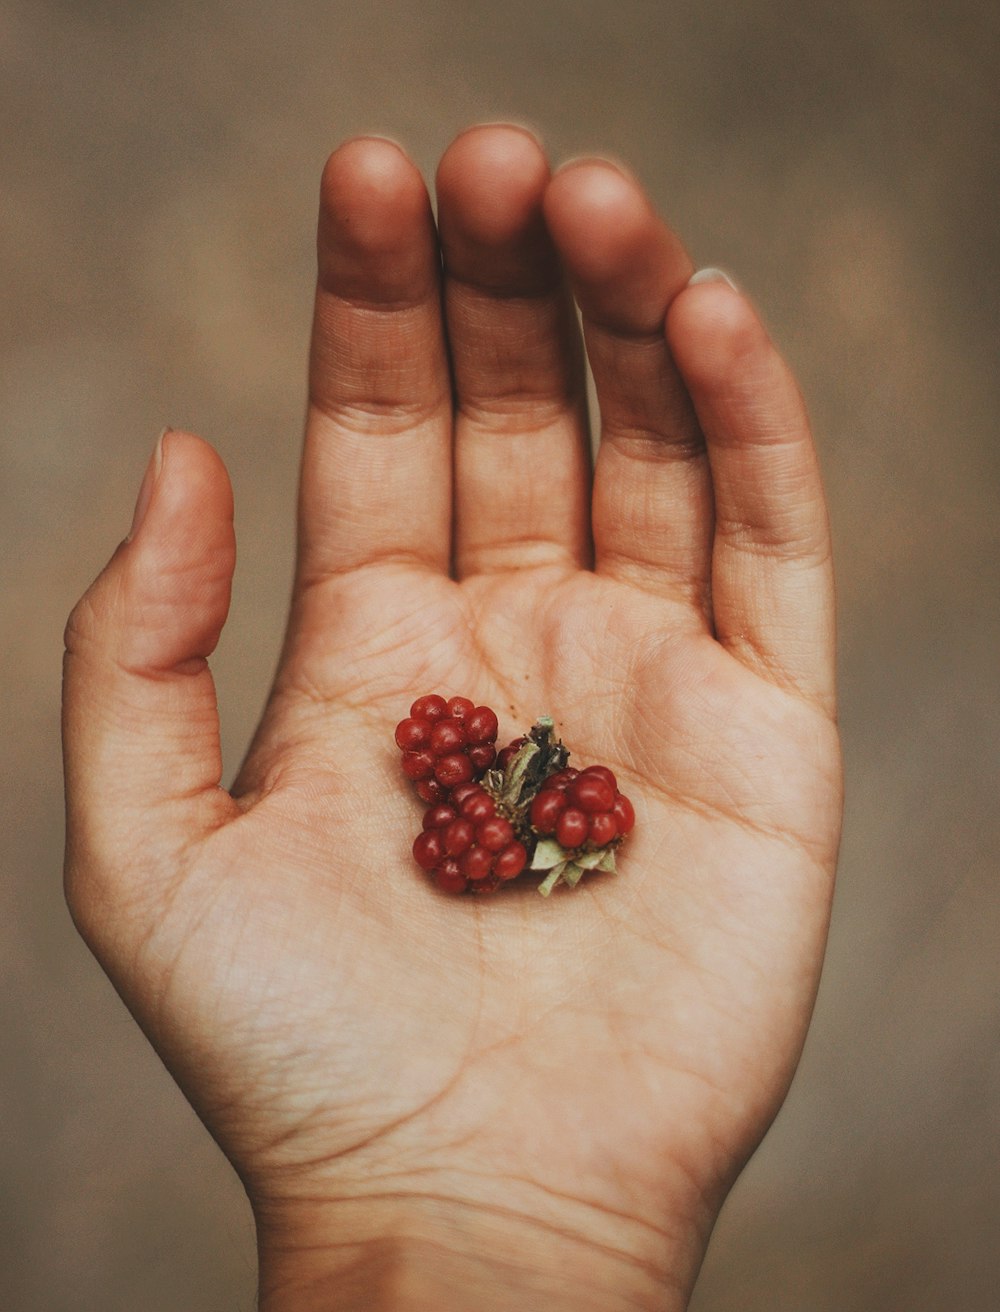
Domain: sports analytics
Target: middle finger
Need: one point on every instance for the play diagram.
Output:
(522, 454)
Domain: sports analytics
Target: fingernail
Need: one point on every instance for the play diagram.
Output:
(514, 124)
(711, 275)
(148, 484)
(376, 136)
(603, 161)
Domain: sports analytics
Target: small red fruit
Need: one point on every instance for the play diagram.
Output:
(603, 829)
(602, 772)
(481, 725)
(429, 790)
(438, 817)
(507, 754)
(449, 878)
(447, 736)
(511, 861)
(482, 756)
(590, 793)
(418, 765)
(432, 707)
(624, 814)
(494, 833)
(458, 836)
(562, 778)
(572, 827)
(453, 769)
(475, 862)
(460, 707)
(412, 734)
(428, 848)
(462, 791)
(478, 805)
(546, 809)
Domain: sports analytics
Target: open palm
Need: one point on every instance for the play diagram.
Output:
(374, 1056)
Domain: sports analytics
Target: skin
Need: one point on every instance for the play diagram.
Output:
(438, 1101)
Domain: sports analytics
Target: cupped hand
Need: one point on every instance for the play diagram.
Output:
(576, 1080)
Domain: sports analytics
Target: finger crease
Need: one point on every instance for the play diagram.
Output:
(529, 413)
(653, 445)
(388, 418)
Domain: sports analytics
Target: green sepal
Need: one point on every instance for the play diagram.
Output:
(514, 777)
(551, 879)
(548, 853)
(573, 873)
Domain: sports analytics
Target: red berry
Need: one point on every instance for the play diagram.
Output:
(482, 756)
(603, 828)
(458, 836)
(478, 806)
(460, 707)
(507, 754)
(429, 790)
(546, 809)
(412, 734)
(446, 737)
(432, 707)
(418, 765)
(449, 878)
(624, 814)
(462, 791)
(494, 833)
(453, 769)
(428, 848)
(439, 816)
(572, 827)
(475, 862)
(511, 861)
(602, 772)
(591, 793)
(481, 725)
(485, 886)
(562, 778)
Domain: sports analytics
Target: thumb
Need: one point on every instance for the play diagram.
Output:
(140, 724)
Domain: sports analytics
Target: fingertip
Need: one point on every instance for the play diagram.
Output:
(497, 171)
(178, 566)
(625, 263)
(365, 169)
(373, 202)
(596, 211)
(490, 184)
(191, 498)
(710, 327)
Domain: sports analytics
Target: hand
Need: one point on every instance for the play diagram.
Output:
(444, 1098)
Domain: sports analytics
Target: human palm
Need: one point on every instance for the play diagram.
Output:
(597, 1065)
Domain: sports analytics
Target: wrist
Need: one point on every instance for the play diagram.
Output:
(415, 1255)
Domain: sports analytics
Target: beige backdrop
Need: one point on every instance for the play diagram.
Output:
(160, 167)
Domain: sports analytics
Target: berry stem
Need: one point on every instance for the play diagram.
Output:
(541, 754)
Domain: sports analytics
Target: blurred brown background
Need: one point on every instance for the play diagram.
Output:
(159, 173)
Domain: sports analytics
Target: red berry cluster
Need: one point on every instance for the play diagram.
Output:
(580, 805)
(467, 843)
(445, 744)
(492, 815)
